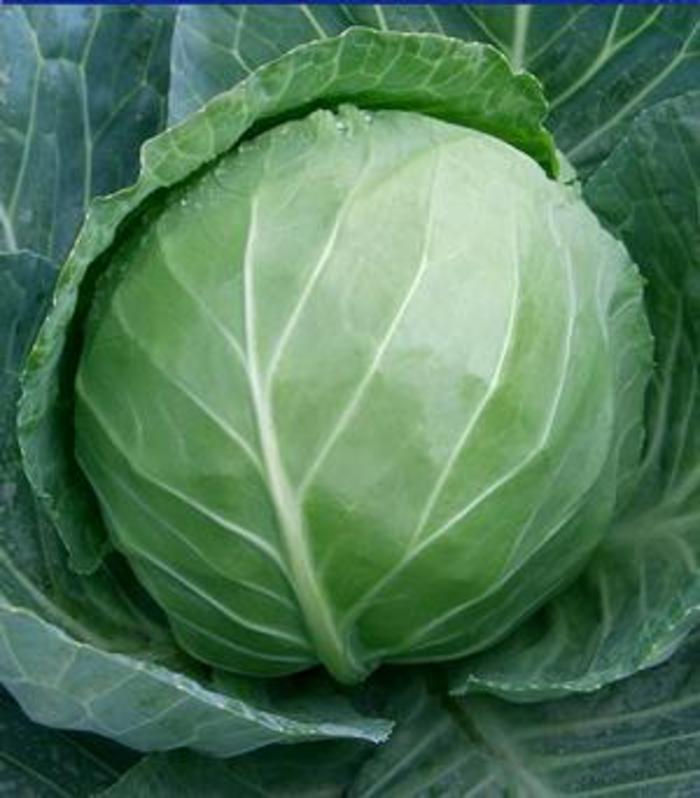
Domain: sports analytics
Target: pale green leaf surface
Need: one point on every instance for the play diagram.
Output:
(74, 110)
(461, 99)
(641, 593)
(144, 705)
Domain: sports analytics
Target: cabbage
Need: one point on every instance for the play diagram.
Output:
(368, 366)
(364, 358)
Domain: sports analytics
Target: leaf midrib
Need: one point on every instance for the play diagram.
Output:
(314, 605)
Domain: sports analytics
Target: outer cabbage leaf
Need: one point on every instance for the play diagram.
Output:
(599, 65)
(72, 119)
(149, 707)
(641, 593)
(34, 568)
(316, 770)
(42, 763)
(74, 111)
(215, 48)
(638, 737)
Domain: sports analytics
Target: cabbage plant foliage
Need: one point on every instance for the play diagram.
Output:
(350, 397)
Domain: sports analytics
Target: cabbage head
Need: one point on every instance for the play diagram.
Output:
(354, 380)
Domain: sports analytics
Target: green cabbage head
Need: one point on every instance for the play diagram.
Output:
(353, 390)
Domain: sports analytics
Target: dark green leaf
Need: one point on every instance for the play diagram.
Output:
(216, 47)
(36, 762)
(599, 65)
(315, 770)
(80, 89)
(636, 738)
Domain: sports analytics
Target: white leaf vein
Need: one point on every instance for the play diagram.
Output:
(357, 396)
(241, 532)
(195, 589)
(185, 390)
